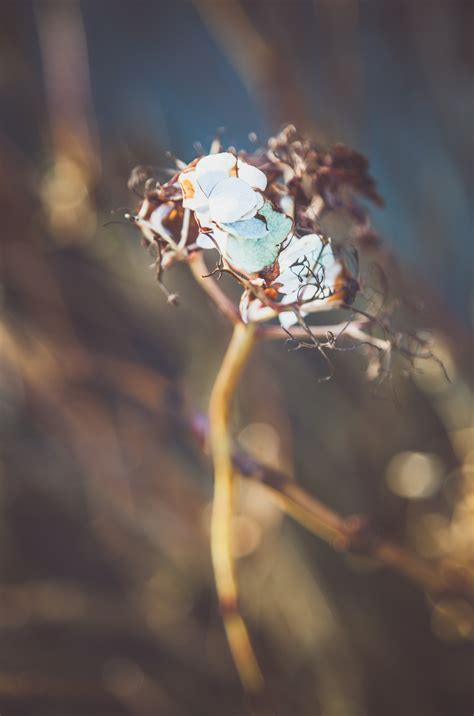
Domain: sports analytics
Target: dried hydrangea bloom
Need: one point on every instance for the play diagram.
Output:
(264, 212)
(249, 208)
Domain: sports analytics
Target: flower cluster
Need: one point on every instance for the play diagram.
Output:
(251, 209)
(227, 197)
(286, 275)
(263, 215)
(310, 279)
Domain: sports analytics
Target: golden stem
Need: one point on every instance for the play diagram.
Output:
(223, 391)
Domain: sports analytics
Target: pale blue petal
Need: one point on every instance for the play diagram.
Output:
(247, 229)
(250, 254)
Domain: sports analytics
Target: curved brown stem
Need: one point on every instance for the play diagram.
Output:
(200, 272)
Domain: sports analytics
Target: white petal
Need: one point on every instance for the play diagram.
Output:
(302, 276)
(299, 248)
(159, 215)
(144, 209)
(203, 217)
(286, 299)
(253, 310)
(213, 168)
(221, 238)
(253, 176)
(258, 312)
(205, 242)
(260, 203)
(232, 199)
(287, 204)
(223, 161)
(323, 304)
(309, 269)
(193, 196)
(244, 304)
(332, 268)
(153, 227)
(290, 284)
(287, 319)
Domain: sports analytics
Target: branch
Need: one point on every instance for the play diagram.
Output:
(347, 534)
(339, 330)
(350, 329)
(200, 272)
(353, 534)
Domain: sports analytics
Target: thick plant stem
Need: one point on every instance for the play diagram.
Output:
(223, 391)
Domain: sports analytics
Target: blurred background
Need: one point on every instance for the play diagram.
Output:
(107, 604)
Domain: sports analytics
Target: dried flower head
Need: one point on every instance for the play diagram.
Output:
(262, 214)
(245, 208)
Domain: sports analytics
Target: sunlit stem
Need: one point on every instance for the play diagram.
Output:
(239, 349)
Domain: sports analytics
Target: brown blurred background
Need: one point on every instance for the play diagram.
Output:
(107, 604)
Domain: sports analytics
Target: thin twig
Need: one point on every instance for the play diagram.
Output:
(338, 330)
(229, 309)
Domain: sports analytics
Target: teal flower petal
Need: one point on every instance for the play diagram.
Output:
(250, 254)
(247, 228)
